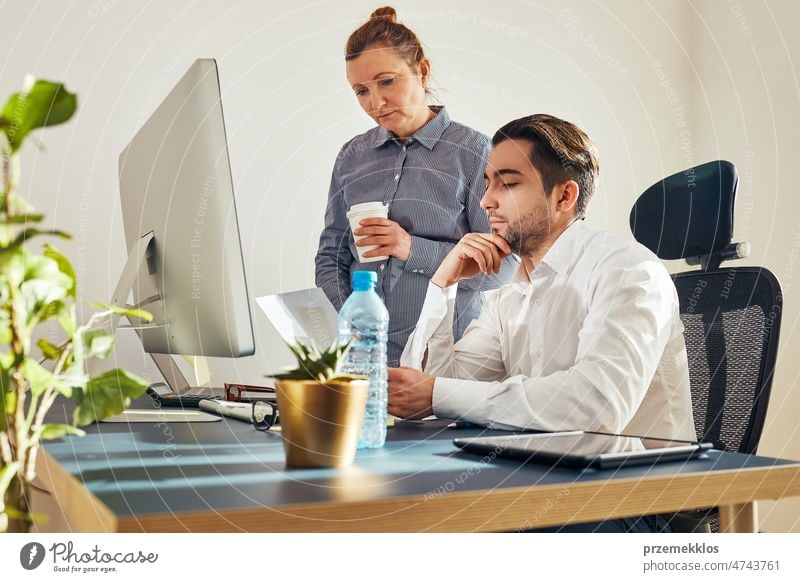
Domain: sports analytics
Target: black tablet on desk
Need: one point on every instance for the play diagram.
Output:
(583, 449)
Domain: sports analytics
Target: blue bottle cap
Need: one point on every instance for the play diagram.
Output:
(364, 280)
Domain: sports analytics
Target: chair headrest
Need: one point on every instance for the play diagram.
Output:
(689, 213)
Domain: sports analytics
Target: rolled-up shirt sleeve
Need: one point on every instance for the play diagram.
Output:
(477, 355)
(333, 260)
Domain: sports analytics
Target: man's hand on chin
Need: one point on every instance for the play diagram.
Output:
(410, 393)
(475, 253)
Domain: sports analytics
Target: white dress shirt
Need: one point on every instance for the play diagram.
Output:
(591, 339)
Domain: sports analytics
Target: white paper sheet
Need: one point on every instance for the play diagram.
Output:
(162, 415)
(302, 316)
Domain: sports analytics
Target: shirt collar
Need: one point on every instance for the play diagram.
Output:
(558, 258)
(428, 135)
(561, 256)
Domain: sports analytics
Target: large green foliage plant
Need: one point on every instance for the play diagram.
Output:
(35, 289)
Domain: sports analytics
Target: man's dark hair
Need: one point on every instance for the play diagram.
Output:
(561, 151)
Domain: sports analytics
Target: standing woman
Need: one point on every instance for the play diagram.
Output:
(426, 167)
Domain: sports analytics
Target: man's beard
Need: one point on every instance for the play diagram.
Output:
(529, 233)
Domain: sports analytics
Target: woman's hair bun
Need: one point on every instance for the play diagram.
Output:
(383, 30)
(386, 12)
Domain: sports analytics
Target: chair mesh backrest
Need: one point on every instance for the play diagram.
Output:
(732, 320)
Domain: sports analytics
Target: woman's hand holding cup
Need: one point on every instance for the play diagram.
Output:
(390, 238)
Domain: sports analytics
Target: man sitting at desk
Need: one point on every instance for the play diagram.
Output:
(588, 335)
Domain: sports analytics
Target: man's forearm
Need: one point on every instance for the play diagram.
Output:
(433, 333)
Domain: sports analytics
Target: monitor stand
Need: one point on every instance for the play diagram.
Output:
(141, 252)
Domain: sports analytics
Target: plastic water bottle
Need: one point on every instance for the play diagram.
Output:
(364, 321)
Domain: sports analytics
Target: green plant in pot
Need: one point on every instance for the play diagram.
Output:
(38, 289)
(321, 409)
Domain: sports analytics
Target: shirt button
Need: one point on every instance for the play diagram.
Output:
(537, 303)
(383, 267)
(397, 176)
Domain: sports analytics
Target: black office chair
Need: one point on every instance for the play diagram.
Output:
(731, 315)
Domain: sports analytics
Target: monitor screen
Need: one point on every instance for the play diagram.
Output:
(175, 182)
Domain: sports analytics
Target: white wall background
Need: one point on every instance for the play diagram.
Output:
(658, 85)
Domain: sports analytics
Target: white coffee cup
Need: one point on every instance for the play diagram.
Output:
(359, 212)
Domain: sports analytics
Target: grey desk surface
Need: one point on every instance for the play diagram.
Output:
(147, 469)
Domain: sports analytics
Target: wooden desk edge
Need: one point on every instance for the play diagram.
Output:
(84, 511)
(510, 509)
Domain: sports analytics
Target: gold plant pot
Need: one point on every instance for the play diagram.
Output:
(320, 422)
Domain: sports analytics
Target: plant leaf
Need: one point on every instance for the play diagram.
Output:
(98, 342)
(64, 266)
(56, 431)
(75, 378)
(125, 311)
(42, 284)
(40, 379)
(9, 396)
(19, 206)
(66, 319)
(22, 219)
(107, 394)
(49, 350)
(45, 104)
(313, 363)
(52, 309)
(28, 234)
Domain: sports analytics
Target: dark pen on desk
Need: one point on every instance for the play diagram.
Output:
(461, 424)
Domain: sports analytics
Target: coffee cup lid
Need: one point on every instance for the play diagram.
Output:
(366, 207)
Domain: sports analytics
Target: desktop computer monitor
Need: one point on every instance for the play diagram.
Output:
(185, 261)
